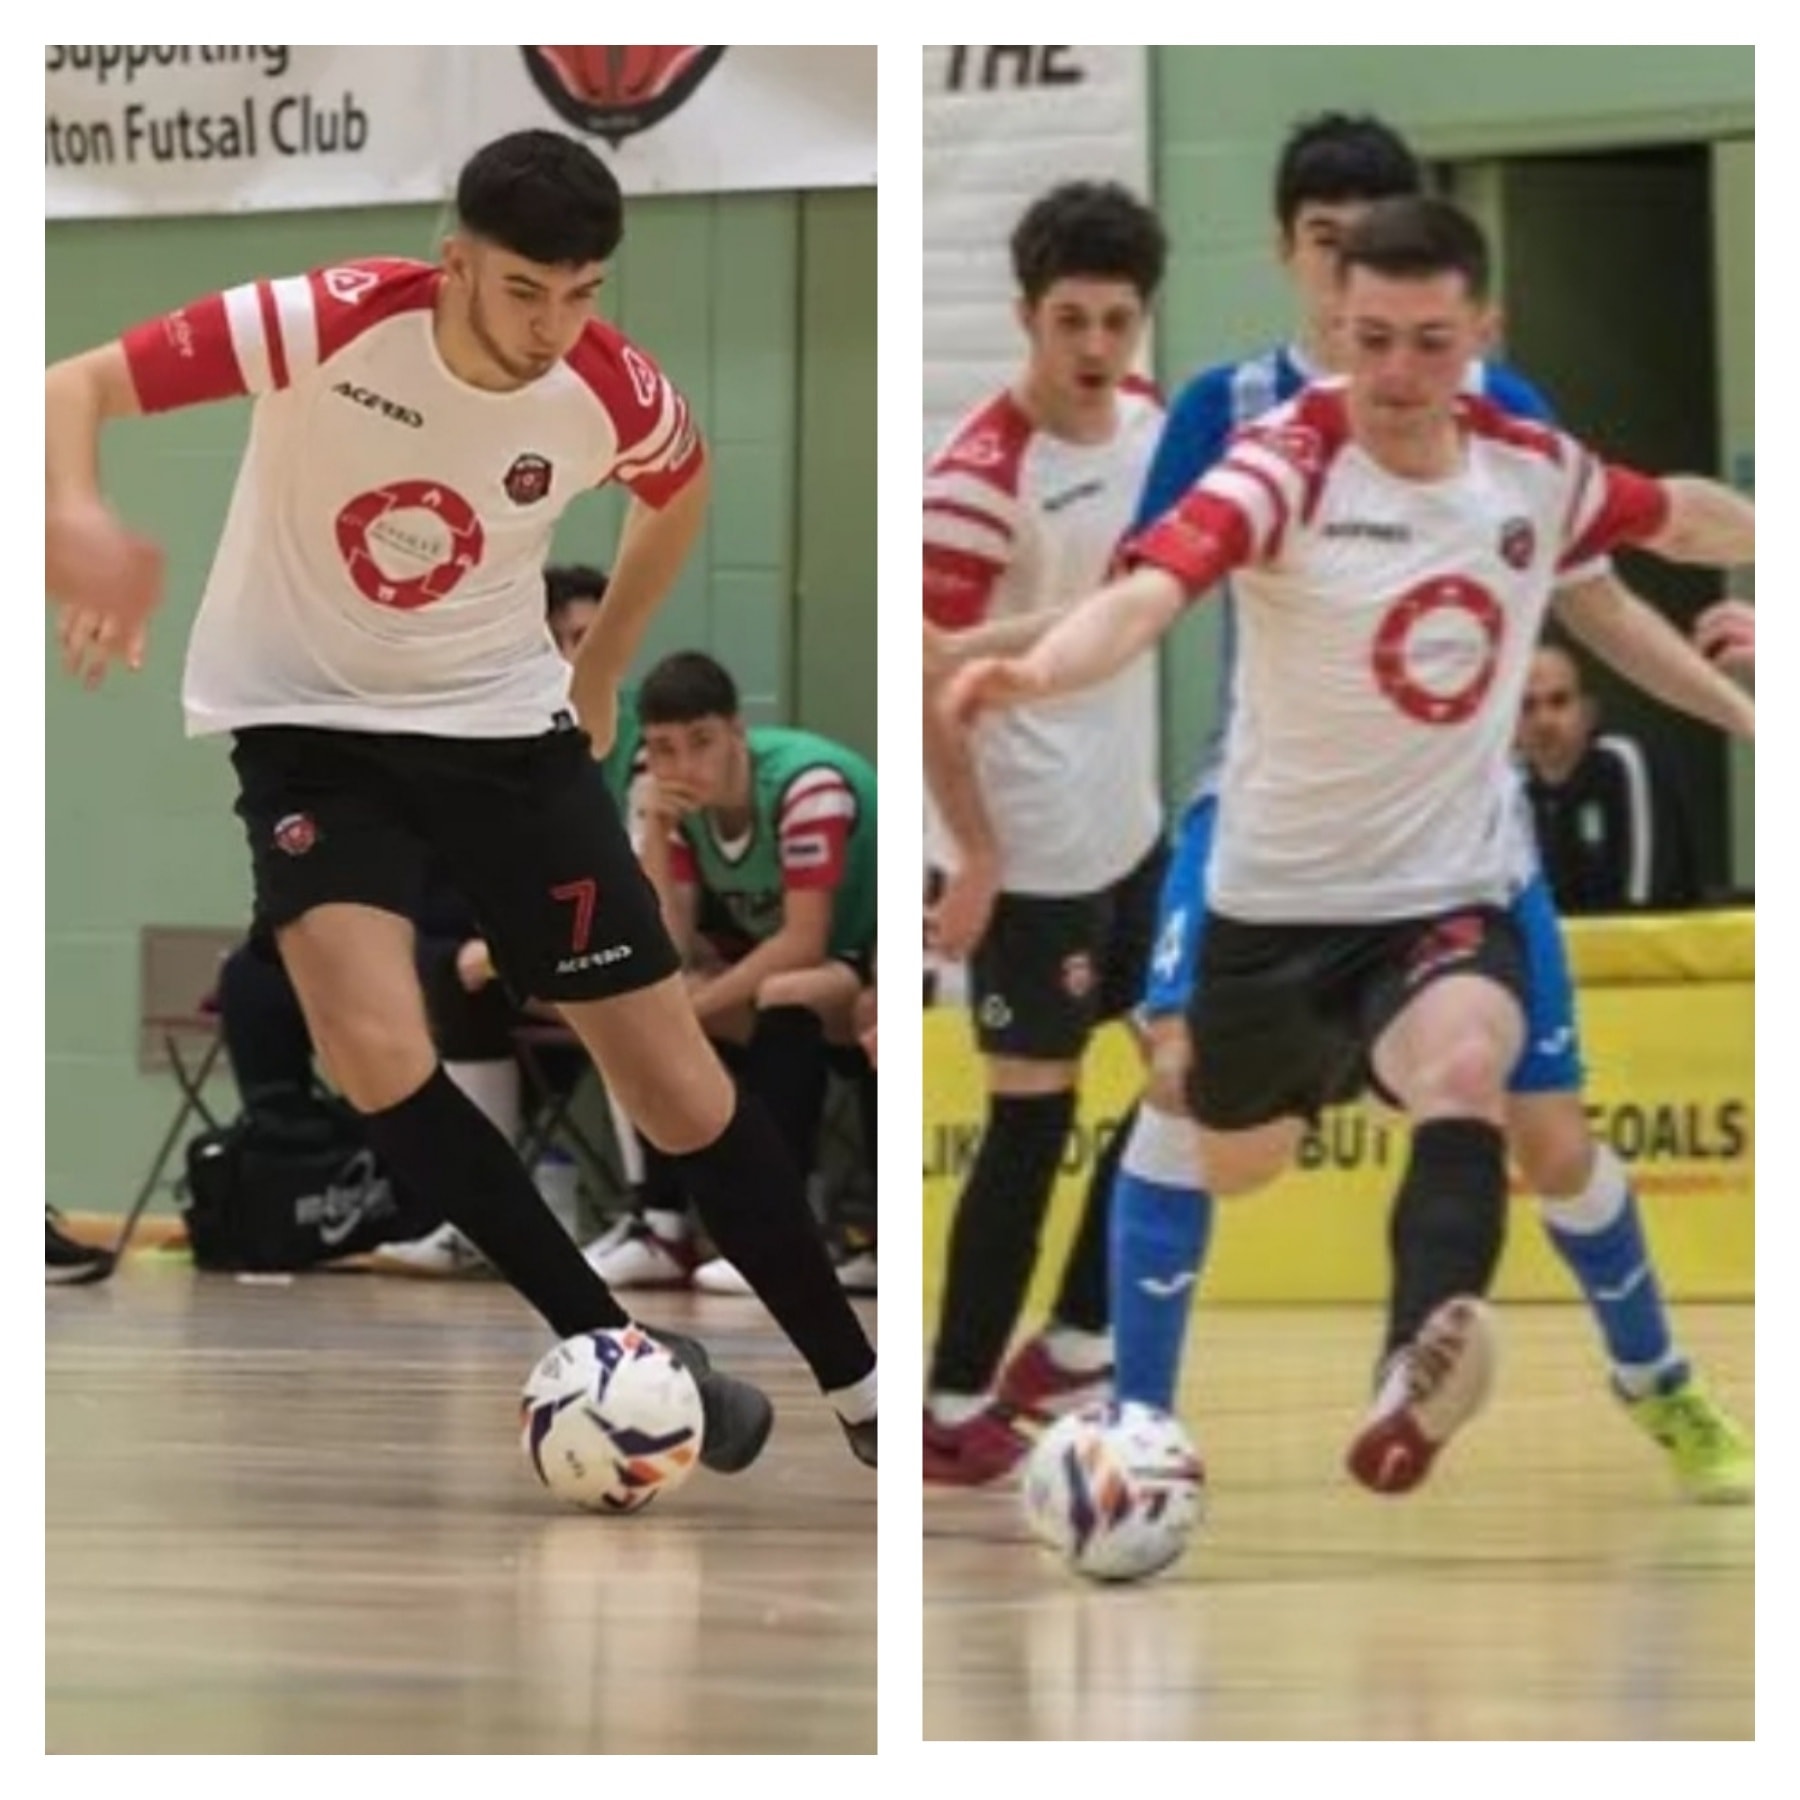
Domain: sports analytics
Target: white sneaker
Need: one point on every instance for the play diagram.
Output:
(442, 1252)
(720, 1277)
(1432, 1388)
(640, 1259)
(856, 1273)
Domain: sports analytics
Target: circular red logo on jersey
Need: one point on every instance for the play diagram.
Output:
(407, 545)
(1437, 649)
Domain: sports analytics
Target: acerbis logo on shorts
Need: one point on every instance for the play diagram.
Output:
(593, 959)
(296, 834)
(995, 1014)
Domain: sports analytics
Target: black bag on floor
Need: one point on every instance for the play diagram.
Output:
(288, 1186)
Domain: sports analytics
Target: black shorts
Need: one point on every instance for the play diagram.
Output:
(1284, 1017)
(523, 827)
(1051, 967)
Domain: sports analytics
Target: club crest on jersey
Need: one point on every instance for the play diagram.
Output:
(296, 834)
(617, 90)
(1518, 543)
(528, 480)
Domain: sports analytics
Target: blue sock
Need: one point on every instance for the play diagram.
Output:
(1161, 1226)
(1600, 1237)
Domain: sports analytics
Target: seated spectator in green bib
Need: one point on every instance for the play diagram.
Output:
(760, 842)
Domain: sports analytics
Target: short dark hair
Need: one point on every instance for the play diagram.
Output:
(1096, 229)
(684, 687)
(566, 583)
(1418, 235)
(1333, 157)
(543, 196)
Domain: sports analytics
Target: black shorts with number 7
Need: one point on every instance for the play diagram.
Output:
(523, 827)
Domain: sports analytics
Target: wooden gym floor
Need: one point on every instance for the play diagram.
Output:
(295, 1518)
(1546, 1583)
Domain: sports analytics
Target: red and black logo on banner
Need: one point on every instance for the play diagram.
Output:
(616, 90)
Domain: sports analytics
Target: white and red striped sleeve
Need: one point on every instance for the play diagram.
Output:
(972, 519)
(1609, 505)
(660, 449)
(813, 822)
(267, 335)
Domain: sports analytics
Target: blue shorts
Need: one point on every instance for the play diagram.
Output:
(1551, 1061)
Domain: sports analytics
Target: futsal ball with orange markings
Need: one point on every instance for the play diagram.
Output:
(611, 1419)
(1116, 1490)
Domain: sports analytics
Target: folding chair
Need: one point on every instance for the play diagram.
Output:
(178, 1031)
(550, 1113)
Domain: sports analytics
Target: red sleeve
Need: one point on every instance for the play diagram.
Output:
(683, 870)
(659, 446)
(959, 586)
(184, 358)
(1629, 509)
(1199, 542)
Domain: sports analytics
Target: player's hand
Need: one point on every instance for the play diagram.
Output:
(474, 965)
(668, 800)
(989, 684)
(90, 642)
(959, 920)
(1726, 633)
(105, 581)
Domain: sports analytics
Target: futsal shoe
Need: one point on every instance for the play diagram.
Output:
(442, 1252)
(1036, 1386)
(1430, 1389)
(68, 1263)
(637, 1257)
(861, 1438)
(721, 1277)
(1709, 1451)
(739, 1415)
(979, 1451)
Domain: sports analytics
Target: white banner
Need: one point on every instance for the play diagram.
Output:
(193, 128)
(1002, 124)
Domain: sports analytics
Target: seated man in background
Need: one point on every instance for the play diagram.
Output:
(1611, 823)
(762, 848)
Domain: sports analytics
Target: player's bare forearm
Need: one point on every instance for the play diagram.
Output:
(1104, 633)
(1708, 523)
(794, 946)
(80, 394)
(997, 637)
(1649, 652)
(654, 543)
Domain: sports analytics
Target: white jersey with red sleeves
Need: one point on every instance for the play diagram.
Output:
(1386, 631)
(381, 566)
(1019, 521)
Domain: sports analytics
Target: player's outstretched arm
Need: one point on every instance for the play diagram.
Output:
(1651, 653)
(104, 579)
(1093, 641)
(1707, 523)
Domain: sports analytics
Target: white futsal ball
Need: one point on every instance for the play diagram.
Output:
(1116, 1489)
(611, 1419)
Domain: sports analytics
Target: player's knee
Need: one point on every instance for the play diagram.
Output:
(1467, 1077)
(1169, 1057)
(1557, 1160)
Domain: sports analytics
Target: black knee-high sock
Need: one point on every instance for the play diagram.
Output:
(750, 1199)
(1084, 1300)
(784, 1067)
(437, 1142)
(994, 1238)
(1448, 1225)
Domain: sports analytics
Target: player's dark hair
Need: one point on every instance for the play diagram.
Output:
(1415, 237)
(1096, 230)
(543, 196)
(1334, 158)
(566, 583)
(684, 687)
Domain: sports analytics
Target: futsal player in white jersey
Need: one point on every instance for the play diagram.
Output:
(372, 637)
(1049, 831)
(1393, 544)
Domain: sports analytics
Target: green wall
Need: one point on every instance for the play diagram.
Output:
(139, 828)
(1220, 117)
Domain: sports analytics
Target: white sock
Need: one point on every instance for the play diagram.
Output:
(1080, 1352)
(855, 1403)
(494, 1087)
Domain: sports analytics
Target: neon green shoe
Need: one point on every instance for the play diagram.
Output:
(1711, 1453)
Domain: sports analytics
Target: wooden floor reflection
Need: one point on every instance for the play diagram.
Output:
(296, 1519)
(1547, 1583)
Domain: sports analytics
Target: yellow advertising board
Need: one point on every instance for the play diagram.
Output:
(1667, 1021)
